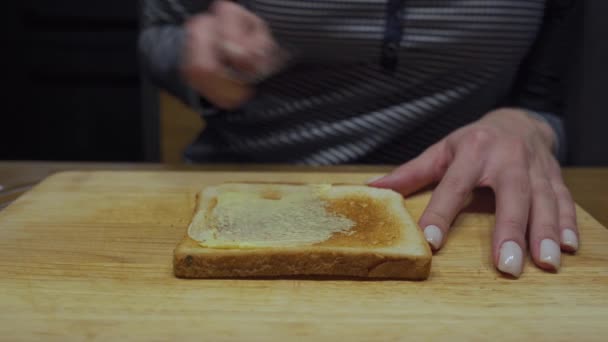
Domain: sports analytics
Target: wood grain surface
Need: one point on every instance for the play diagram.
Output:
(588, 185)
(87, 256)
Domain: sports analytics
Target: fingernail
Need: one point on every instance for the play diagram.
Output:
(433, 236)
(550, 253)
(233, 49)
(569, 239)
(373, 179)
(510, 258)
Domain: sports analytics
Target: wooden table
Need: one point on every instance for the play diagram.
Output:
(589, 186)
(87, 256)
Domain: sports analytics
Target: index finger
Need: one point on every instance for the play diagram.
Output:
(412, 176)
(449, 197)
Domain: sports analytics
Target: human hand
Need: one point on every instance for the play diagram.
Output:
(510, 152)
(225, 47)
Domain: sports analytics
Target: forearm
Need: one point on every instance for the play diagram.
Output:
(541, 85)
(160, 48)
(161, 45)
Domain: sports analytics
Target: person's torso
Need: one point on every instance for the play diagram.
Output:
(376, 80)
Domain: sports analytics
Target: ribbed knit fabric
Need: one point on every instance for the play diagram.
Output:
(370, 81)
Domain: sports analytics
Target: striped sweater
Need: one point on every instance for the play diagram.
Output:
(370, 81)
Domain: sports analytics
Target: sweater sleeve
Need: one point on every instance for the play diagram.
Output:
(161, 42)
(540, 87)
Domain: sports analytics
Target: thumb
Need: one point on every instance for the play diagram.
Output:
(412, 176)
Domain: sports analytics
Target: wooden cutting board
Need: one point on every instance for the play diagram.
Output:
(87, 256)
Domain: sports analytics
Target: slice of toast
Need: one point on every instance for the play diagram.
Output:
(281, 230)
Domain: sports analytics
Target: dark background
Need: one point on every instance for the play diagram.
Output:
(73, 71)
(73, 90)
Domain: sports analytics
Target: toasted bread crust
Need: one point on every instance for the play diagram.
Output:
(338, 257)
(191, 261)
